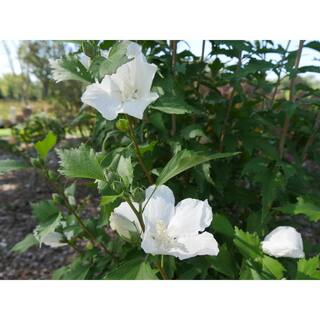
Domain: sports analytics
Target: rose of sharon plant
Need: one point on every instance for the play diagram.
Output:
(210, 136)
(127, 91)
(283, 242)
(169, 229)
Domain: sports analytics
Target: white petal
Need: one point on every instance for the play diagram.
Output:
(135, 108)
(133, 50)
(144, 75)
(124, 221)
(198, 245)
(104, 98)
(149, 245)
(158, 206)
(53, 240)
(191, 216)
(283, 242)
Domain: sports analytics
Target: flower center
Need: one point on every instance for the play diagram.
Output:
(161, 236)
(129, 92)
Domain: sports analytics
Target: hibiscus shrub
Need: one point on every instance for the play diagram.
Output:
(201, 164)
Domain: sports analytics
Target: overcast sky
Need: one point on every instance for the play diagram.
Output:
(309, 56)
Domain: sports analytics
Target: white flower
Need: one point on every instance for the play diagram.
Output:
(283, 242)
(125, 222)
(53, 239)
(170, 230)
(126, 91)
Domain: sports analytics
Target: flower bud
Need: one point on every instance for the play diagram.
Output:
(283, 242)
(122, 125)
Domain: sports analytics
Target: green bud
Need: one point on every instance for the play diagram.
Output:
(89, 245)
(57, 199)
(122, 125)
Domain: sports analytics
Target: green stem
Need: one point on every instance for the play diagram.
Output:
(291, 99)
(162, 271)
(138, 153)
(138, 214)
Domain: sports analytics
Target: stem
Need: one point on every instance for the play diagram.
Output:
(279, 76)
(173, 44)
(291, 99)
(138, 214)
(202, 51)
(311, 137)
(72, 210)
(162, 271)
(226, 118)
(138, 153)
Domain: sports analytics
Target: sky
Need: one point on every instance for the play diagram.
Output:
(309, 56)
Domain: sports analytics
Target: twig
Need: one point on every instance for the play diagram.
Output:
(279, 75)
(173, 44)
(291, 99)
(138, 153)
(311, 137)
(226, 118)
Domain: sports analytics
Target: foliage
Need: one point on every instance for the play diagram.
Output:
(215, 133)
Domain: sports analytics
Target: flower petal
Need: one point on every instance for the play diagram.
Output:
(135, 108)
(191, 216)
(198, 245)
(158, 206)
(149, 244)
(53, 240)
(124, 220)
(104, 97)
(144, 75)
(133, 50)
(283, 241)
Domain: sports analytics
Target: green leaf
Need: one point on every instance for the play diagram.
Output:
(80, 163)
(224, 262)
(309, 269)
(133, 270)
(116, 58)
(222, 225)
(44, 211)
(44, 146)
(174, 105)
(77, 270)
(304, 206)
(272, 267)
(289, 108)
(315, 45)
(12, 165)
(105, 200)
(309, 69)
(45, 228)
(248, 244)
(186, 159)
(125, 170)
(28, 242)
(70, 68)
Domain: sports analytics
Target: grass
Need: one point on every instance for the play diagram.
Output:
(5, 132)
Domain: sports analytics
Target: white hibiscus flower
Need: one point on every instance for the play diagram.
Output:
(126, 91)
(169, 229)
(283, 242)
